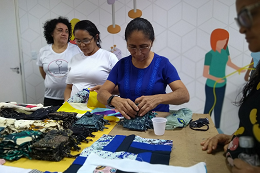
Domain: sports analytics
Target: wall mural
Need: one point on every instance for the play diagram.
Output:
(214, 70)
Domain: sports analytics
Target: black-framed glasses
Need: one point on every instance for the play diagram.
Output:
(141, 48)
(85, 41)
(244, 17)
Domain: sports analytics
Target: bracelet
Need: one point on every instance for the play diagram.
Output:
(109, 101)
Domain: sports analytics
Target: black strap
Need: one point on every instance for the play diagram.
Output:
(198, 128)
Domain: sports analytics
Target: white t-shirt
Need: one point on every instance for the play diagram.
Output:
(55, 65)
(89, 71)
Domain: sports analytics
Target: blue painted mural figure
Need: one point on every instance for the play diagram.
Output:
(215, 64)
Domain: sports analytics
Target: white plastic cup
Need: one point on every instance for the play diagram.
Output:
(159, 124)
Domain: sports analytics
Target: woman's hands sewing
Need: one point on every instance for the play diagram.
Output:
(125, 106)
(147, 103)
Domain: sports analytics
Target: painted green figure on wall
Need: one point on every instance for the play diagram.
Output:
(214, 70)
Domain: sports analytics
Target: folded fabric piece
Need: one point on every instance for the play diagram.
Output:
(39, 114)
(180, 118)
(54, 146)
(92, 121)
(107, 112)
(139, 123)
(86, 96)
(80, 134)
(15, 126)
(136, 166)
(26, 107)
(68, 118)
(10, 169)
(16, 145)
(80, 97)
(80, 108)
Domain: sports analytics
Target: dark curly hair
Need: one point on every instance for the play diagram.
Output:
(250, 85)
(50, 25)
(91, 28)
(140, 24)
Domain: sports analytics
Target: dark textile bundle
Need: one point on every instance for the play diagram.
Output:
(139, 123)
(92, 121)
(81, 133)
(68, 118)
(39, 114)
(17, 145)
(11, 113)
(54, 146)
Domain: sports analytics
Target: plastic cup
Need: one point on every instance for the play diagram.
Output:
(159, 124)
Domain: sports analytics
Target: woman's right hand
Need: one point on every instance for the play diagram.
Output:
(211, 143)
(125, 106)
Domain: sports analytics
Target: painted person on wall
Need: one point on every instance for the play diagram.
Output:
(53, 59)
(242, 148)
(214, 70)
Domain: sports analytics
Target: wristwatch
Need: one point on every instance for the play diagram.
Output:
(109, 101)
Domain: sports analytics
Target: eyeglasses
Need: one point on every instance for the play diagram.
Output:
(141, 48)
(244, 17)
(86, 41)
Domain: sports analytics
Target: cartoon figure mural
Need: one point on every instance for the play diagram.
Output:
(214, 70)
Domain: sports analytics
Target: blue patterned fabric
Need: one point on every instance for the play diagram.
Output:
(156, 151)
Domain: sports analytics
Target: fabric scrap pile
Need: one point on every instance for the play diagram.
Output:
(139, 123)
(178, 118)
(54, 146)
(16, 145)
(92, 121)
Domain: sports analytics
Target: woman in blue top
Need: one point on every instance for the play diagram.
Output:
(142, 77)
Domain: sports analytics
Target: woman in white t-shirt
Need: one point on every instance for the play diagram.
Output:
(91, 67)
(53, 59)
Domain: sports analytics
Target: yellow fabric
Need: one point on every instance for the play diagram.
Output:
(66, 107)
(63, 164)
(93, 102)
(112, 118)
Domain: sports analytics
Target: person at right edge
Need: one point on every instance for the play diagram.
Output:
(242, 148)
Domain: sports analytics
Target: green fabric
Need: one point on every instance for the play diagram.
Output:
(217, 63)
(16, 145)
(178, 118)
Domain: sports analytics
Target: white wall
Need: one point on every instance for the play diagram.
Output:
(182, 30)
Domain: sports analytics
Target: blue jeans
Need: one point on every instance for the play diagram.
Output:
(220, 93)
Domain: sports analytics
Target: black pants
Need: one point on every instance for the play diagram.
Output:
(52, 102)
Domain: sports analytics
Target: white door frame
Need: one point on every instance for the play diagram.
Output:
(20, 50)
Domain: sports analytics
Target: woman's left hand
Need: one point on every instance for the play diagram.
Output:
(241, 166)
(146, 103)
